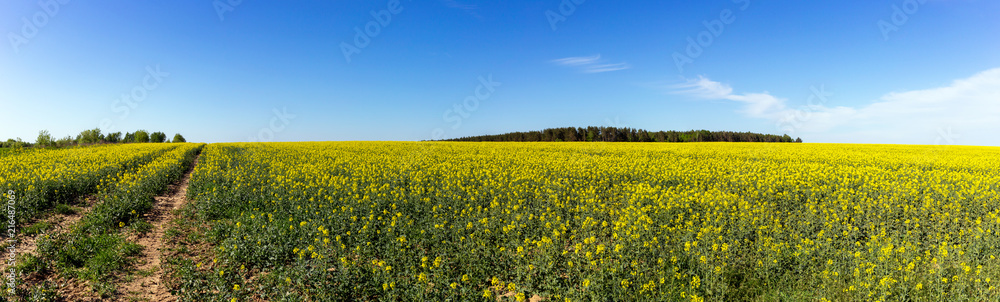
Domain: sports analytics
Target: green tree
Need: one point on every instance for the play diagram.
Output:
(114, 137)
(44, 139)
(65, 141)
(141, 136)
(178, 138)
(157, 137)
(91, 136)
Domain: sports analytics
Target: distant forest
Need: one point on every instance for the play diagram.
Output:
(613, 134)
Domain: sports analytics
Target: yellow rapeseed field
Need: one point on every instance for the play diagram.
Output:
(43, 178)
(596, 221)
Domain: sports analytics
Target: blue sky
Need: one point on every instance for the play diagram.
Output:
(915, 71)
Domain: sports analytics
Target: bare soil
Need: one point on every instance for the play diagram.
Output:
(146, 282)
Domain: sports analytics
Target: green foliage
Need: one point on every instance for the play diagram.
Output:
(91, 258)
(65, 141)
(91, 136)
(129, 137)
(37, 228)
(141, 136)
(134, 195)
(178, 138)
(83, 171)
(46, 292)
(44, 139)
(114, 137)
(157, 137)
(15, 144)
(95, 247)
(613, 134)
(64, 209)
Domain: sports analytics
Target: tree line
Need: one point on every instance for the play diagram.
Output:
(93, 136)
(614, 134)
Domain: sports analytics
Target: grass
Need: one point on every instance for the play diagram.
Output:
(37, 228)
(65, 209)
(95, 250)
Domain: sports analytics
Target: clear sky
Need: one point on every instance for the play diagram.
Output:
(881, 71)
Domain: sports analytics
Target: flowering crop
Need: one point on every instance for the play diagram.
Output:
(582, 221)
(44, 178)
(96, 246)
(134, 193)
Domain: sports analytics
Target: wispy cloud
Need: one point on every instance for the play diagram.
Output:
(591, 64)
(969, 105)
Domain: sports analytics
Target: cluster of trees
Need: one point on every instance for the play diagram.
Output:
(613, 134)
(93, 136)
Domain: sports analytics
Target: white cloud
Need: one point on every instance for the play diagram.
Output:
(758, 105)
(968, 108)
(591, 64)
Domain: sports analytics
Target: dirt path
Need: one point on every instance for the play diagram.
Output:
(147, 282)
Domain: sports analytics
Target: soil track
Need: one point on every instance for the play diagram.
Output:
(147, 281)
